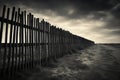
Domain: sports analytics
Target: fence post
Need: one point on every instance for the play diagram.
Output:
(5, 47)
(16, 40)
(2, 23)
(9, 67)
(39, 39)
(25, 39)
(30, 52)
(13, 47)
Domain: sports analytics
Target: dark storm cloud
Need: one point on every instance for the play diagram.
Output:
(61, 7)
(116, 10)
(76, 9)
(113, 24)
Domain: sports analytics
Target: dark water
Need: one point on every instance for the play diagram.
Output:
(98, 62)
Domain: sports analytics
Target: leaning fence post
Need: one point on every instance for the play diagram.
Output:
(10, 42)
(51, 41)
(49, 44)
(5, 48)
(28, 43)
(17, 53)
(1, 28)
(30, 50)
(32, 55)
(13, 47)
(25, 40)
(40, 38)
(35, 41)
(38, 43)
(1, 33)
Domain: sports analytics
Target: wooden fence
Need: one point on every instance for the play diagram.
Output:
(25, 41)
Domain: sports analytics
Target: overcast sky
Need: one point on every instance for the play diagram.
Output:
(97, 20)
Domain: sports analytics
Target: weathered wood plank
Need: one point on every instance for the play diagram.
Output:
(10, 41)
(5, 47)
(2, 23)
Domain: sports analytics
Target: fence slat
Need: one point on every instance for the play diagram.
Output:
(13, 48)
(25, 40)
(16, 40)
(1, 28)
(10, 41)
(28, 48)
(5, 48)
(32, 41)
